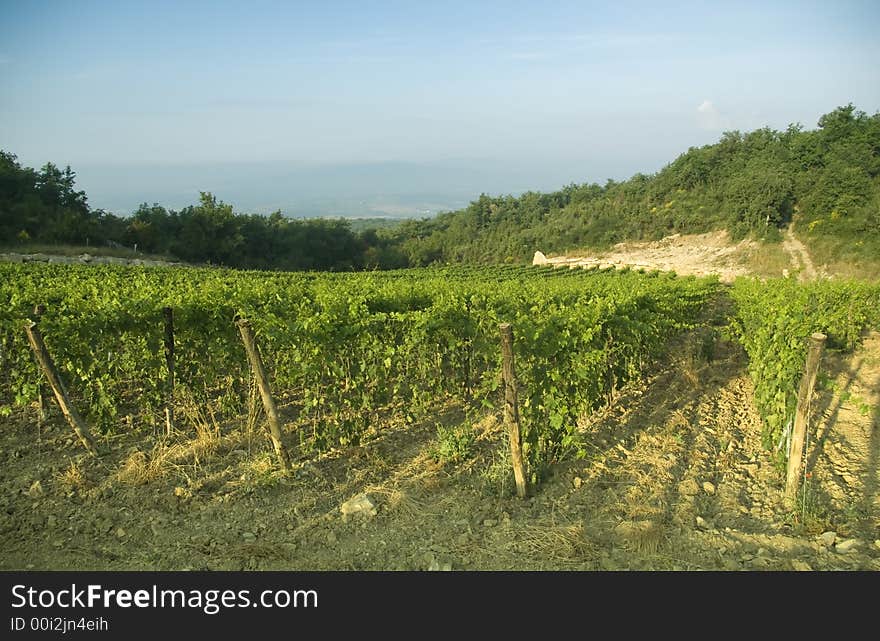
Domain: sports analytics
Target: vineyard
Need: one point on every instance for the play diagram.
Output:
(355, 361)
(344, 349)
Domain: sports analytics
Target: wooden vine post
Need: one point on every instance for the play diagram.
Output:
(168, 316)
(259, 371)
(35, 338)
(798, 434)
(42, 410)
(511, 409)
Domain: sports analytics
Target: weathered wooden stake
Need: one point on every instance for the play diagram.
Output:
(250, 345)
(168, 315)
(42, 410)
(45, 360)
(511, 409)
(798, 434)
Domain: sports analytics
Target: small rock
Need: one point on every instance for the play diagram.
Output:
(828, 538)
(688, 487)
(708, 488)
(703, 523)
(120, 533)
(490, 523)
(35, 490)
(360, 504)
(848, 545)
(800, 566)
(249, 537)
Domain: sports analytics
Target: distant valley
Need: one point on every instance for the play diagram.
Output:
(368, 190)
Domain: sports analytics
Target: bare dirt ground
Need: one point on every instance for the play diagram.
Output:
(702, 255)
(674, 478)
(695, 254)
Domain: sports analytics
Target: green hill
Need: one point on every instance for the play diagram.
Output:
(827, 180)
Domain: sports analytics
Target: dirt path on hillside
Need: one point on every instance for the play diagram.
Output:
(673, 477)
(712, 253)
(801, 262)
(699, 254)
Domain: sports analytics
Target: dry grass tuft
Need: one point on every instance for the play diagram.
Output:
(645, 536)
(143, 467)
(201, 416)
(139, 468)
(399, 500)
(72, 479)
(556, 542)
(488, 428)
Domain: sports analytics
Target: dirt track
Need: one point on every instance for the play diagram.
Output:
(801, 262)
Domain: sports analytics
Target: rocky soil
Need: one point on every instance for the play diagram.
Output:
(673, 478)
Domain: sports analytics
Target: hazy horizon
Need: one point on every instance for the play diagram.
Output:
(401, 108)
(390, 189)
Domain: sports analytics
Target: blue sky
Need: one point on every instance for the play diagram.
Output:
(149, 100)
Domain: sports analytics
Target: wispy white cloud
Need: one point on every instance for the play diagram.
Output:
(710, 118)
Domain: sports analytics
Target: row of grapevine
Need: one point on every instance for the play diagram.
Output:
(344, 348)
(773, 322)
